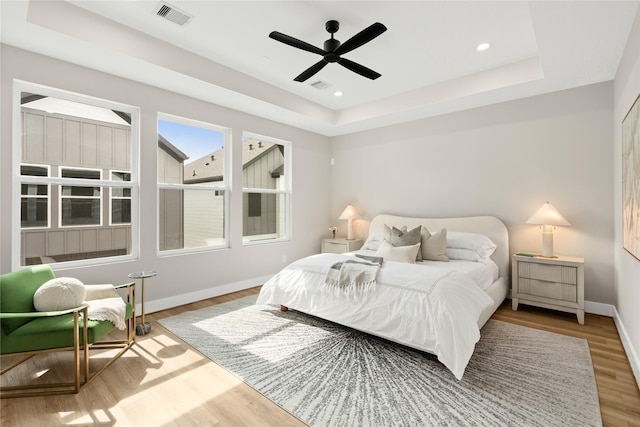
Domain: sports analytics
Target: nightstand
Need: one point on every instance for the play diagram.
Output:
(340, 245)
(555, 283)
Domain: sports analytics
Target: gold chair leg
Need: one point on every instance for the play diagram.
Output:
(76, 350)
(77, 384)
(85, 340)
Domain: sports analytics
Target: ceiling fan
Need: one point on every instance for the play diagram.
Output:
(333, 49)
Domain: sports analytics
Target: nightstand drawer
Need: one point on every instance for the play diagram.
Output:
(545, 289)
(548, 273)
(334, 248)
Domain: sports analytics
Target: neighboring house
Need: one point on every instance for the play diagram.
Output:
(69, 222)
(201, 206)
(65, 223)
(263, 213)
(170, 203)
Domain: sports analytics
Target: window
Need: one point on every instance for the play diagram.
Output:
(76, 181)
(34, 201)
(192, 185)
(266, 189)
(120, 199)
(80, 205)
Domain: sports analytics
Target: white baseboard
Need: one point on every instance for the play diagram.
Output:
(634, 360)
(216, 291)
(599, 308)
(611, 311)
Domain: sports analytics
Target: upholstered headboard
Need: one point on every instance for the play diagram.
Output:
(490, 226)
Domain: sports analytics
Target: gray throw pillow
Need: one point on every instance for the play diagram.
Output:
(434, 245)
(402, 237)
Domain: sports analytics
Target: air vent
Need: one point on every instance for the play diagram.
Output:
(172, 13)
(320, 85)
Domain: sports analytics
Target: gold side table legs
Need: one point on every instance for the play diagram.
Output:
(142, 328)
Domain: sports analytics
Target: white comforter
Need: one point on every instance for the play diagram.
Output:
(431, 310)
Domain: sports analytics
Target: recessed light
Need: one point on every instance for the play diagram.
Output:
(337, 93)
(483, 46)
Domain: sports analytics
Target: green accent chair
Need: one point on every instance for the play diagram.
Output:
(27, 332)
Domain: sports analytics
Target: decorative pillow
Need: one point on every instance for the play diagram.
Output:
(398, 253)
(479, 243)
(402, 237)
(386, 232)
(434, 245)
(373, 241)
(60, 293)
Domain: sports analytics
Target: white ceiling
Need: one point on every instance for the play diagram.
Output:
(427, 56)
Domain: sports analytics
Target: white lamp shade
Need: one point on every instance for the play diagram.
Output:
(349, 213)
(547, 215)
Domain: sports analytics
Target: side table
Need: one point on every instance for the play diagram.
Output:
(555, 283)
(340, 245)
(142, 328)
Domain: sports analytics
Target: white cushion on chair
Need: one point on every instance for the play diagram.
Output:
(100, 292)
(60, 293)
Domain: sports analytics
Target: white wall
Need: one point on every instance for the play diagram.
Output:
(504, 160)
(197, 274)
(627, 268)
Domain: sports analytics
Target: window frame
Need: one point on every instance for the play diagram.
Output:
(112, 197)
(216, 189)
(286, 192)
(20, 86)
(36, 180)
(80, 182)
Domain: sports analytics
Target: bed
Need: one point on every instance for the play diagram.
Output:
(433, 306)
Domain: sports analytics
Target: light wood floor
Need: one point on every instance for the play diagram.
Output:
(162, 381)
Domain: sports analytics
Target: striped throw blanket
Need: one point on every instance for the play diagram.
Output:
(353, 277)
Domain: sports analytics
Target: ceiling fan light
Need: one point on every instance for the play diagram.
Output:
(483, 46)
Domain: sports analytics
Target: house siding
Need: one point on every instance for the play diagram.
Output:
(65, 141)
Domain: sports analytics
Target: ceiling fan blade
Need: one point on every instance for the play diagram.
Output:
(291, 41)
(311, 71)
(360, 69)
(364, 36)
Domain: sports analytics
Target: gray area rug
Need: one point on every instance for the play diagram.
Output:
(329, 375)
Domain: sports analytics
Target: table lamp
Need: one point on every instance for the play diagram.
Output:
(349, 213)
(548, 217)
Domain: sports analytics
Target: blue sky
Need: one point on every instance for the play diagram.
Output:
(194, 141)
